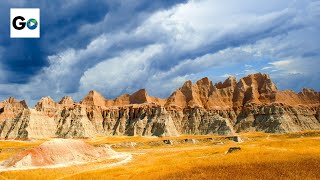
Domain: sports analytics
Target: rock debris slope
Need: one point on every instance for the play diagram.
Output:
(251, 104)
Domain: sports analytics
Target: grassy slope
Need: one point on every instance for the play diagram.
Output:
(293, 156)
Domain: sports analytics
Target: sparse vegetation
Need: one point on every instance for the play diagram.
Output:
(262, 156)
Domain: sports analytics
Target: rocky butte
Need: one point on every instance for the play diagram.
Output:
(251, 104)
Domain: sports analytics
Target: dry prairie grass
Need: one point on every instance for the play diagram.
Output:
(119, 139)
(262, 156)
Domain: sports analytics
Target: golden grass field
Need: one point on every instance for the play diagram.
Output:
(262, 156)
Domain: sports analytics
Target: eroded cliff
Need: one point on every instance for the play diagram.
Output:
(251, 104)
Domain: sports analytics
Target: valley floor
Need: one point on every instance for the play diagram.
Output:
(262, 156)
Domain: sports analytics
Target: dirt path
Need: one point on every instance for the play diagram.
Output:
(126, 157)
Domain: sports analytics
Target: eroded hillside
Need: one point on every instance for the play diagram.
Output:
(251, 104)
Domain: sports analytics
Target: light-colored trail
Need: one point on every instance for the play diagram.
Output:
(126, 157)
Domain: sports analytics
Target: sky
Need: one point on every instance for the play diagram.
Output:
(121, 46)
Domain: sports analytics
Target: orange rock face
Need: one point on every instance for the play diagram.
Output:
(47, 105)
(256, 88)
(222, 95)
(94, 99)
(187, 95)
(139, 97)
(11, 108)
(67, 101)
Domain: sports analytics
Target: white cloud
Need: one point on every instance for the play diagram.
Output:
(120, 73)
(282, 64)
(266, 68)
(296, 66)
(200, 23)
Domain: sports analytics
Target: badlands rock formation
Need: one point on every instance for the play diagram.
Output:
(251, 104)
(58, 152)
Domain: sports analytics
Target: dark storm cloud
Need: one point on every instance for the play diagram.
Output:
(60, 24)
(24, 58)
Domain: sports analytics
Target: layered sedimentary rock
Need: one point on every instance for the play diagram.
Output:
(251, 104)
(58, 153)
(277, 117)
(139, 97)
(66, 101)
(14, 118)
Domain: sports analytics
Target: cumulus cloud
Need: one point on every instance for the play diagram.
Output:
(123, 74)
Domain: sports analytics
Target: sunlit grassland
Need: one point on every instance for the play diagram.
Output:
(263, 156)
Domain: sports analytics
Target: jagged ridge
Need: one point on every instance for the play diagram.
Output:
(252, 104)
